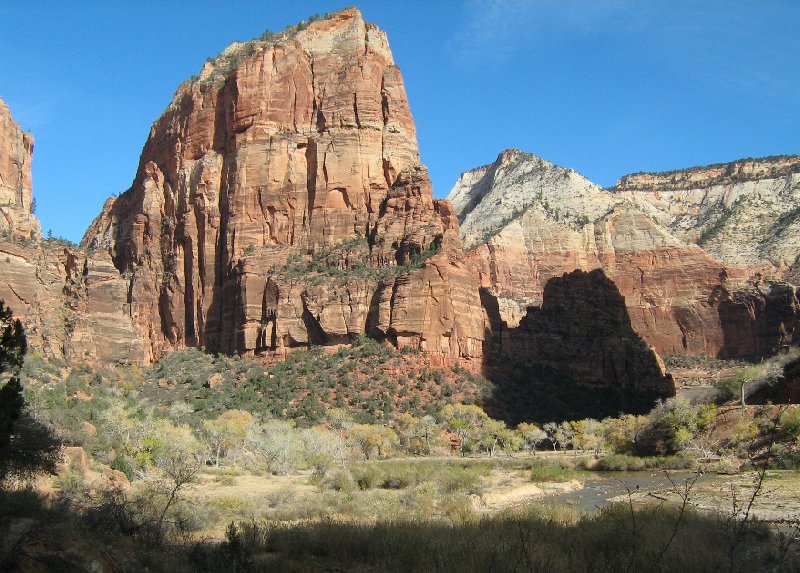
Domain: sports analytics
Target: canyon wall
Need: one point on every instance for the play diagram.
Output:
(280, 201)
(746, 212)
(73, 304)
(525, 221)
(575, 355)
(582, 329)
(16, 190)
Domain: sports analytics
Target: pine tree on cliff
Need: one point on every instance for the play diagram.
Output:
(26, 446)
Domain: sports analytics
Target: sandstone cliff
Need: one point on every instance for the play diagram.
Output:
(575, 355)
(16, 194)
(73, 304)
(758, 321)
(279, 201)
(744, 213)
(527, 221)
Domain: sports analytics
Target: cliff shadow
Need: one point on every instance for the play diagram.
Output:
(577, 356)
(758, 322)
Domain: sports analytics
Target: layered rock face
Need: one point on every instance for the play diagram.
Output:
(743, 213)
(72, 304)
(527, 221)
(16, 194)
(279, 201)
(575, 356)
(758, 321)
(582, 330)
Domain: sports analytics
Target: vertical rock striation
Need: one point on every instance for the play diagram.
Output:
(279, 201)
(526, 221)
(583, 330)
(746, 212)
(758, 321)
(574, 356)
(16, 192)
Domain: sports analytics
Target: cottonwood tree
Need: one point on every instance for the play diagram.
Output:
(622, 434)
(179, 457)
(277, 444)
(560, 435)
(339, 419)
(493, 434)
(588, 435)
(565, 434)
(227, 432)
(465, 421)
(417, 435)
(531, 435)
(120, 425)
(373, 440)
(323, 449)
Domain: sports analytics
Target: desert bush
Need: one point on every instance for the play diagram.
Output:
(120, 463)
(341, 480)
(784, 456)
(618, 538)
(552, 472)
(789, 423)
(367, 476)
(445, 477)
(624, 462)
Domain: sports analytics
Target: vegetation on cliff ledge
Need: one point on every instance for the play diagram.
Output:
(346, 262)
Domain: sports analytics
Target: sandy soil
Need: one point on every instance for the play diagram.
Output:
(505, 490)
(778, 501)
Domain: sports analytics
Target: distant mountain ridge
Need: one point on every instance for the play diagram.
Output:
(746, 212)
(525, 220)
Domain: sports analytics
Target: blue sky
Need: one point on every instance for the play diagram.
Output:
(606, 87)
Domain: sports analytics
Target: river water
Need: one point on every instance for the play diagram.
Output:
(599, 488)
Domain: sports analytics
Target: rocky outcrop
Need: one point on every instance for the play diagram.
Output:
(527, 221)
(16, 195)
(280, 201)
(743, 213)
(72, 304)
(577, 352)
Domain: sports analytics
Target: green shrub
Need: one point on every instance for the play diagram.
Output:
(367, 477)
(623, 463)
(789, 423)
(341, 480)
(121, 463)
(552, 473)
